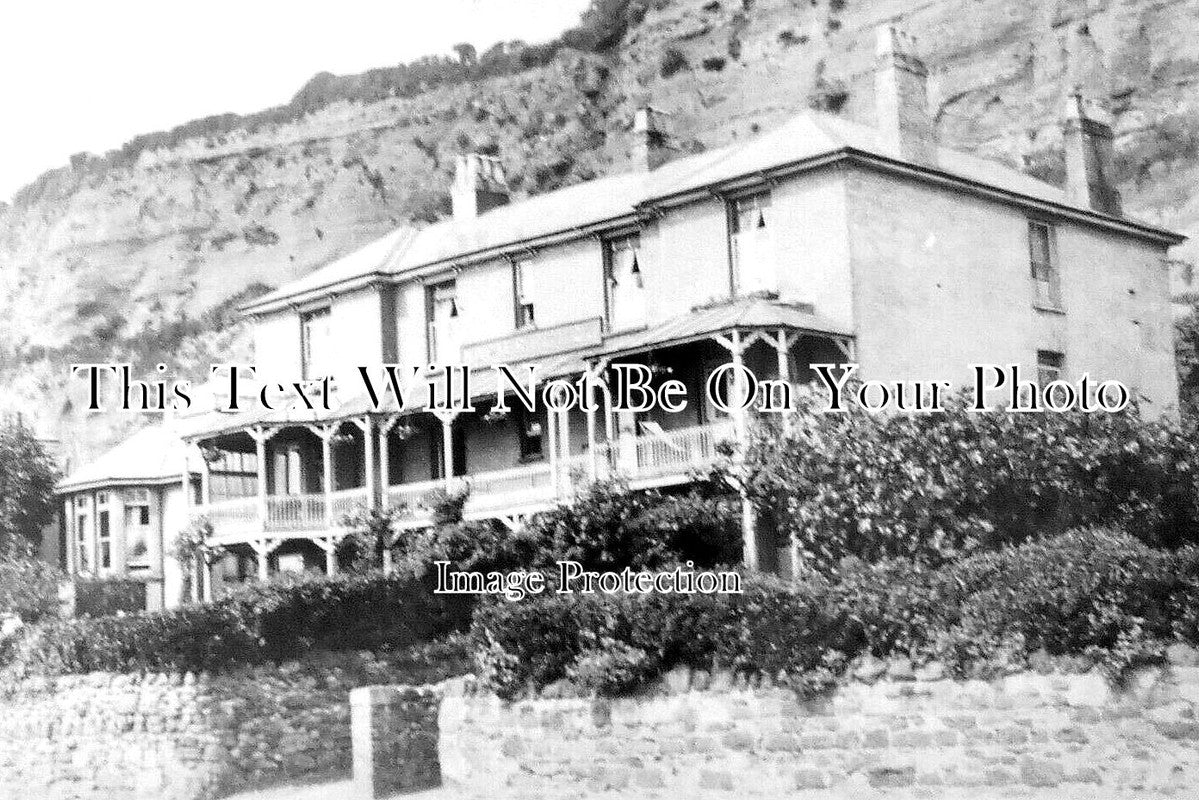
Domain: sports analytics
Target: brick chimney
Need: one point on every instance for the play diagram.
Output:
(1090, 157)
(1087, 127)
(479, 185)
(901, 98)
(650, 138)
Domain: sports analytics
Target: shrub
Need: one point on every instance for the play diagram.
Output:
(484, 546)
(614, 643)
(28, 588)
(1086, 592)
(262, 623)
(1093, 593)
(934, 487)
(108, 596)
(610, 528)
(606, 528)
(368, 538)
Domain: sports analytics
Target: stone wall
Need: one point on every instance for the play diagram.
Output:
(173, 737)
(704, 734)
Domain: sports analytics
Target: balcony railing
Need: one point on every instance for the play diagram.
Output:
(295, 512)
(653, 458)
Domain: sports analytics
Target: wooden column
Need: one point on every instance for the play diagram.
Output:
(736, 345)
(325, 434)
(385, 427)
(261, 436)
(447, 445)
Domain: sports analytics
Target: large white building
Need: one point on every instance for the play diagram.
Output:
(824, 240)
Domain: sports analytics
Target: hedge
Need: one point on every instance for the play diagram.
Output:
(1093, 594)
(264, 623)
(104, 597)
(937, 487)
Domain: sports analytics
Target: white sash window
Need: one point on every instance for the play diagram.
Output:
(626, 283)
(750, 244)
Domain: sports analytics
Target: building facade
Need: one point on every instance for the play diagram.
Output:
(822, 241)
(122, 513)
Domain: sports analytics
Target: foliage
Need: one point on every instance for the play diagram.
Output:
(1186, 357)
(484, 546)
(934, 487)
(614, 643)
(27, 478)
(266, 622)
(102, 597)
(28, 588)
(1093, 594)
(609, 528)
(368, 538)
(1171, 140)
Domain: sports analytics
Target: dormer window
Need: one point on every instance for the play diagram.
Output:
(316, 344)
(750, 246)
(624, 272)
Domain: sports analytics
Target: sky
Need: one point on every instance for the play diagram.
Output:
(87, 75)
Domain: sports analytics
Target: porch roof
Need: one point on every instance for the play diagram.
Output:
(746, 313)
(483, 383)
(152, 456)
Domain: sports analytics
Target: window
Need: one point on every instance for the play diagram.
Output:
(1042, 267)
(315, 344)
(529, 431)
(1049, 367)
(233, 474)
(137, 524)
(525, 308)
(82, 541)
(750, 245)
(625, 282)
(441, 318)
(105, 540)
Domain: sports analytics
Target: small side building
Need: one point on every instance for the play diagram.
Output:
(123, 511)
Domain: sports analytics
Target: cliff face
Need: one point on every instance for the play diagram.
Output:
(141, 255)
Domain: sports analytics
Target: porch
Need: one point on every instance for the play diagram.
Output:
(657, 458)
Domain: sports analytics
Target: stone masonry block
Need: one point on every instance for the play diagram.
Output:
(394, 730)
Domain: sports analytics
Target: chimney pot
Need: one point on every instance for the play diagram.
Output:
(901, 97)
(650, 138)
(479, 185)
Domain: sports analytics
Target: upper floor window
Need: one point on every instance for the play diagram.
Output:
(625, 282)
(1043, 265)
(441, 321)
(523, 297)
(316, 349)
(750, 244)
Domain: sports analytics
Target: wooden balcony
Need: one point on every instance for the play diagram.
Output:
(654, 458)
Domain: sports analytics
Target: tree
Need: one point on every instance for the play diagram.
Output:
(27, 478)
(1186, 356)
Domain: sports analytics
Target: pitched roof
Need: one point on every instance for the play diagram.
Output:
(153, 455)
(805, 137)
(745, 312)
